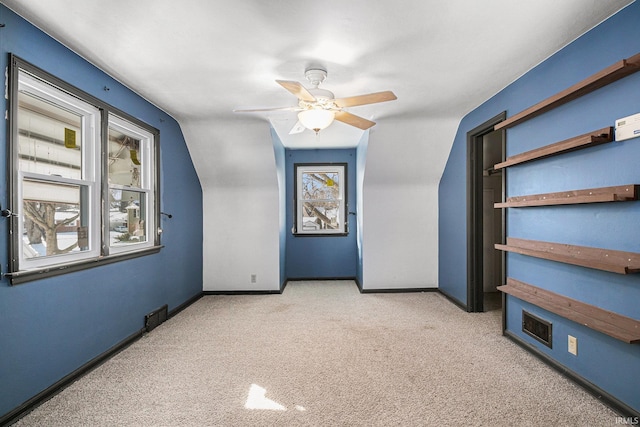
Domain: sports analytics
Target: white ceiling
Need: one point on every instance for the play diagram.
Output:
(200, 59)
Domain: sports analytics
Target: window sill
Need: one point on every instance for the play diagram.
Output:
(20, 277)
(320, 234)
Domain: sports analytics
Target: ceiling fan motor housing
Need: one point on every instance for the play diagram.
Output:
(315, 76)
(322, 94)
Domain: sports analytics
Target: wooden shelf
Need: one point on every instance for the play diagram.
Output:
(589, 139)
(601, 259)
(607, 322)
(621, 193)
(606, 76)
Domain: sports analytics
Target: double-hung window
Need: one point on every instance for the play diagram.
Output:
(58, 175)
(131, 183)
(83, 179)
(320, 199)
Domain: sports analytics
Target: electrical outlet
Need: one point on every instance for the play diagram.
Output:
(254, 278)
(573, 345)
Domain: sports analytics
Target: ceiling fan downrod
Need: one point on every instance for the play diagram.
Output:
(315, 76)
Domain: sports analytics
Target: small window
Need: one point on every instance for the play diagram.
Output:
(320, 199)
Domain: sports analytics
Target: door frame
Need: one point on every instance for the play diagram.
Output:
(475, 291)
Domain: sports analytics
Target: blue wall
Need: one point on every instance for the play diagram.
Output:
(279, 154)
(51, 327)
(361, 164)
(608, 363)
(310, 257)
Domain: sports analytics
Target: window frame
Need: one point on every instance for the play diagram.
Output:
(147, 187)
(90, 117)
(101, 253)
(299, 170)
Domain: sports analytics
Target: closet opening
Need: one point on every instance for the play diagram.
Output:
(486, 225)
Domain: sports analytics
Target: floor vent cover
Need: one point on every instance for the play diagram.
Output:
(537, 328)
(155, 318)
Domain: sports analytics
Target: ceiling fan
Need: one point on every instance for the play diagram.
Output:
(319, 107)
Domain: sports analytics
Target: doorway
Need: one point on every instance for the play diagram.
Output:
(486, 225)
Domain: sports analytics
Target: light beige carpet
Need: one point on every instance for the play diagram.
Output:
(322, 354)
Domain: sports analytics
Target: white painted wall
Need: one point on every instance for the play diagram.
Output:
(240, 239)
(241, 206)
(405, 161)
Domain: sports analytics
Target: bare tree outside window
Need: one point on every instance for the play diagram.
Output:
(320, 199)
(84, 178)
(42, 222)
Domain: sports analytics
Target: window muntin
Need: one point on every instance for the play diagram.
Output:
(320, 199)
(63, 182)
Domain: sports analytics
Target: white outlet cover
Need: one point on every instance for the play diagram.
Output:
(572, 345)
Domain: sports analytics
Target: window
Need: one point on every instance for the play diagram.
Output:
(320, 199)
(131, 181)
(60, 176)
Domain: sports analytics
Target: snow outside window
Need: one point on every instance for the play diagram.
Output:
(131, 166)
(83, 190)
(58, 170)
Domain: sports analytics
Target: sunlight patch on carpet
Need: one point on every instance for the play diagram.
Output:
(257, 400)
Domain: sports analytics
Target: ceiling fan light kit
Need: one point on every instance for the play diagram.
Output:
(316, 119)
(318, 108)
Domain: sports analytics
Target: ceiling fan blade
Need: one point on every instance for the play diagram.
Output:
(353, 120)
(371, 98)
(297, 128)
(253, 110)
(297, 89)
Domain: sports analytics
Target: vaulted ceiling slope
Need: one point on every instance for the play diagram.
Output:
(200, 59)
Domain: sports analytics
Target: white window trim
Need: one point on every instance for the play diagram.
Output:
(28, 78)
(324, 167)
(90, 140)
(147, 185)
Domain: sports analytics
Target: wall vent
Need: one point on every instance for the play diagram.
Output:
(537, 328)
(155, 318)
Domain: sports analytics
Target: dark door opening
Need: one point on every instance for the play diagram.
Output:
(486, 225)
